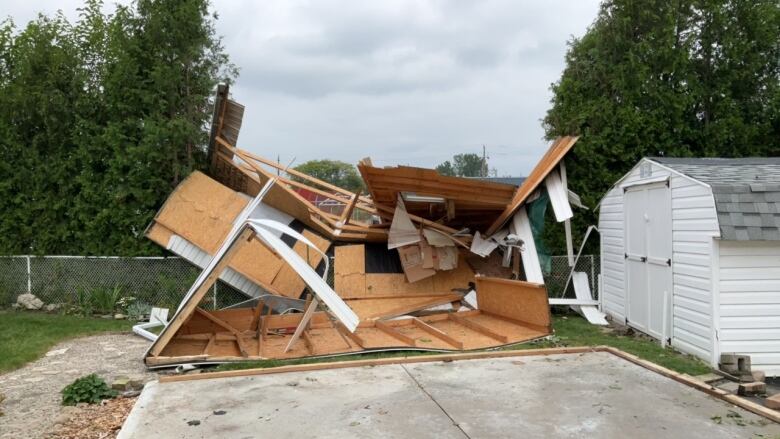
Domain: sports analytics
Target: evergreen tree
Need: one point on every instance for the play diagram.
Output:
(680, 78)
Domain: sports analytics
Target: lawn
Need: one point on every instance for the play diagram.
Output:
(26, 336)
(570, 330)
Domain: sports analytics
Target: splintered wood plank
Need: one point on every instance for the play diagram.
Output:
(347, 214)
(391, 331)
(441, 335)
(256, 316)
(478, 328)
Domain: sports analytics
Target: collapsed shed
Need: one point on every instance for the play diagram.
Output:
(410, 268)
(690, 254)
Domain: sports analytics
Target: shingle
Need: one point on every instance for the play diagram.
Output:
(768, 220)
(724, 219)
(737, 219)
(745, 208)
(771, 234)
(772, 197)
(754, 233)
(740, 235)
(752, 220)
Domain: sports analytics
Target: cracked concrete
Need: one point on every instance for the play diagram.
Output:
(575, 395)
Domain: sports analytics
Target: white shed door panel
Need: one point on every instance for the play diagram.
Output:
(648, 258)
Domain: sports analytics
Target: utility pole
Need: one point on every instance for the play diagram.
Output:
(484, 170)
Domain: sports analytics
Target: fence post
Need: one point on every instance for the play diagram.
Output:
(592, 275)
(29, 277)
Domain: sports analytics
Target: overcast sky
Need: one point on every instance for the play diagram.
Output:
(404, 82)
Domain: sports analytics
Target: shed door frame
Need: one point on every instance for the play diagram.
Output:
(648, 258)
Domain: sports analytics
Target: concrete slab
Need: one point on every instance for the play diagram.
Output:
(575, 395)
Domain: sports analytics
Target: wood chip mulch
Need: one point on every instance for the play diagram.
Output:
(96, 421)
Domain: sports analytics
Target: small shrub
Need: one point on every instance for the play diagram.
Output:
(82, 305)
(90, 389)
(105, 299)
(138, 310)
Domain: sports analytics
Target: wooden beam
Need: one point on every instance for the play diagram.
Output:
(226, 325)
(406, 309)
(263, 329)
(352, 335)
(210, 344)
(441, 335)
(308, 341)
(345, 216)
(304, 323)
(192, 304)
(392, 332)
(474, 326)
(256, 316)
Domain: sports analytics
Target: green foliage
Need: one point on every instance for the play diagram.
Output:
(90, 389)
(136, 311)
(683, 78)
(464, 165)
(106, 300)
(334, 172)
(99, 120)
(83, 304)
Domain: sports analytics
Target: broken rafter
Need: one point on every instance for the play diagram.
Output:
(226, 325)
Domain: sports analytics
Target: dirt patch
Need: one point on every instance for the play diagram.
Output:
(32, 405)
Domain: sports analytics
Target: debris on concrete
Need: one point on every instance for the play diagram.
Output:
(752, 389)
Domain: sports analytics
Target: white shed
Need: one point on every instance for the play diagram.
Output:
(690, 254)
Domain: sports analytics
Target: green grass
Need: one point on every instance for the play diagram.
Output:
(26, 336)
(570, 330)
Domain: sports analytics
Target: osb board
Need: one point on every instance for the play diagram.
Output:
(328, 340)
(288, 282)
(202, 211)
(391, 307)
(159, 234)
(557, 151)
(517, 300)
(350, 259)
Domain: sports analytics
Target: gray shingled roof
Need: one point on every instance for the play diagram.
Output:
(746, 191)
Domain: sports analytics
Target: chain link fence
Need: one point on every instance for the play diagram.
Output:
(163, 282)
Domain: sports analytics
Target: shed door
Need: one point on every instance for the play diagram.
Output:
(648, 257)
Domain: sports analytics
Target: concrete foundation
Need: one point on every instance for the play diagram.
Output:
(574, 395)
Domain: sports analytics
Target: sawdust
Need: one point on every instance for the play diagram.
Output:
(99, 421)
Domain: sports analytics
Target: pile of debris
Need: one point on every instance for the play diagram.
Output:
(424, 261)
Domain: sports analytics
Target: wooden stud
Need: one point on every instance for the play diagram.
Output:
(474, 326)
(304, 323)
(226, 325)
(392, 332)
(210, 344)
(263, 329)
(256, 316)
(347, 214)
(352, 336)
(441, 335)
(308, 341)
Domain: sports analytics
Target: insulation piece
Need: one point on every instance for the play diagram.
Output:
(482, 247)
(402, 230)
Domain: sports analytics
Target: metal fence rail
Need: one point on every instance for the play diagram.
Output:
(160, 281)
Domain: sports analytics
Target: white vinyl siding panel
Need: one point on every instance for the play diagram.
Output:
(750, 302)
(694, 225)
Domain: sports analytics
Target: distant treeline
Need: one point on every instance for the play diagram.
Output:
(99, 120)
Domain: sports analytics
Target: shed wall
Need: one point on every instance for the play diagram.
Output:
(750, 302)
(694, 224)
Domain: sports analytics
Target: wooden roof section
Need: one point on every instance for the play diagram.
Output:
(558, 150)
(466, 201)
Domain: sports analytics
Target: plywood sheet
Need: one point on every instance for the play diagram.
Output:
(159, 234)
(287, 282)
(513, 299)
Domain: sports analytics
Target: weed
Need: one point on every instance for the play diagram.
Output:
(90, 389)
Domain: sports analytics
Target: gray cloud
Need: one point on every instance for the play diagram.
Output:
(405, 81)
